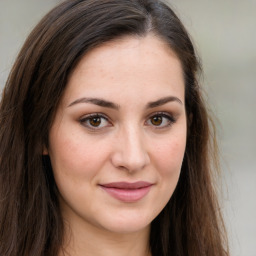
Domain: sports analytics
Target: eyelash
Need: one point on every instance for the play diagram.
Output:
(86, 119)
(163, 115)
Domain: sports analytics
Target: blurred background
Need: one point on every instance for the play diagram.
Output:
(224, 32)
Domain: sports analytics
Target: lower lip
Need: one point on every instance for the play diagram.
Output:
(127, 195)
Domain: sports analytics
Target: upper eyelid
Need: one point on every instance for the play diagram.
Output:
(100, 114)
(171, 118)
(97, 114)
(85, 118)
(108, 118)
(163, 113)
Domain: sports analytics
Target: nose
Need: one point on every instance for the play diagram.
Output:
(130, 151)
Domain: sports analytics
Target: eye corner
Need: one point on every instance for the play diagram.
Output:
(95, 121)
(162, 120)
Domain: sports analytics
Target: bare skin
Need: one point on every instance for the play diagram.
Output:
(121, 120)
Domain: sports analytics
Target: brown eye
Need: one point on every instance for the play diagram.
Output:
(95, 121)
(161, 120)
(156, 120)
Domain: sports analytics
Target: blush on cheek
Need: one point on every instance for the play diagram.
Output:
(171, 153)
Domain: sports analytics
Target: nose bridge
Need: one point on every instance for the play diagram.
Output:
(131, 152)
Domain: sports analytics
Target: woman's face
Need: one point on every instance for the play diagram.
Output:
(119, 135)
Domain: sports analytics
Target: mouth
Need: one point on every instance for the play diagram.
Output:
(127, 192)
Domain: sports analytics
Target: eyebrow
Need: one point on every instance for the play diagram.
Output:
(163, 101)
(96, 101)
(108, 104)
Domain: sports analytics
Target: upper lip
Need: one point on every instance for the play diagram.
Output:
(127, 185)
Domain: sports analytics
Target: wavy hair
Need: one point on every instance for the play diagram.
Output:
(30, 218)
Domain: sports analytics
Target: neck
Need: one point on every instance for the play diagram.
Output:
(85, 240)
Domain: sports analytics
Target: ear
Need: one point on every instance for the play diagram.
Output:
(45, 151)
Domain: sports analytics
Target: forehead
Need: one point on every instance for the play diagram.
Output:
(133, 48)
(129, 64)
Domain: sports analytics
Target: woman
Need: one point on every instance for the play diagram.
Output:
(105, 141)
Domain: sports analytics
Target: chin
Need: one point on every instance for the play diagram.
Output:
(128, 224)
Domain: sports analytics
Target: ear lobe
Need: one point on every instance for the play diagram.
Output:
(45, 151)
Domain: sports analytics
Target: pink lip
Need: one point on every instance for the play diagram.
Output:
(127, 192)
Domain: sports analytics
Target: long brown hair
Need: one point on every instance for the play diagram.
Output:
(30, 218)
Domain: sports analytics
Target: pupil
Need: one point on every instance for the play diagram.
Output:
(157, 120)
(95, 121)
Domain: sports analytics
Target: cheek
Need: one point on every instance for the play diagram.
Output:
(169, 157)
(76, 157)
(75, 165)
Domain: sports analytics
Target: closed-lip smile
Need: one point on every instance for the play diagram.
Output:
(127, 191)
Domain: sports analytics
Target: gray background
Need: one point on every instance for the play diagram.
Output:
(224, 32)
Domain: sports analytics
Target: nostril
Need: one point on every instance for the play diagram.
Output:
(130, 162)
(129, 152)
